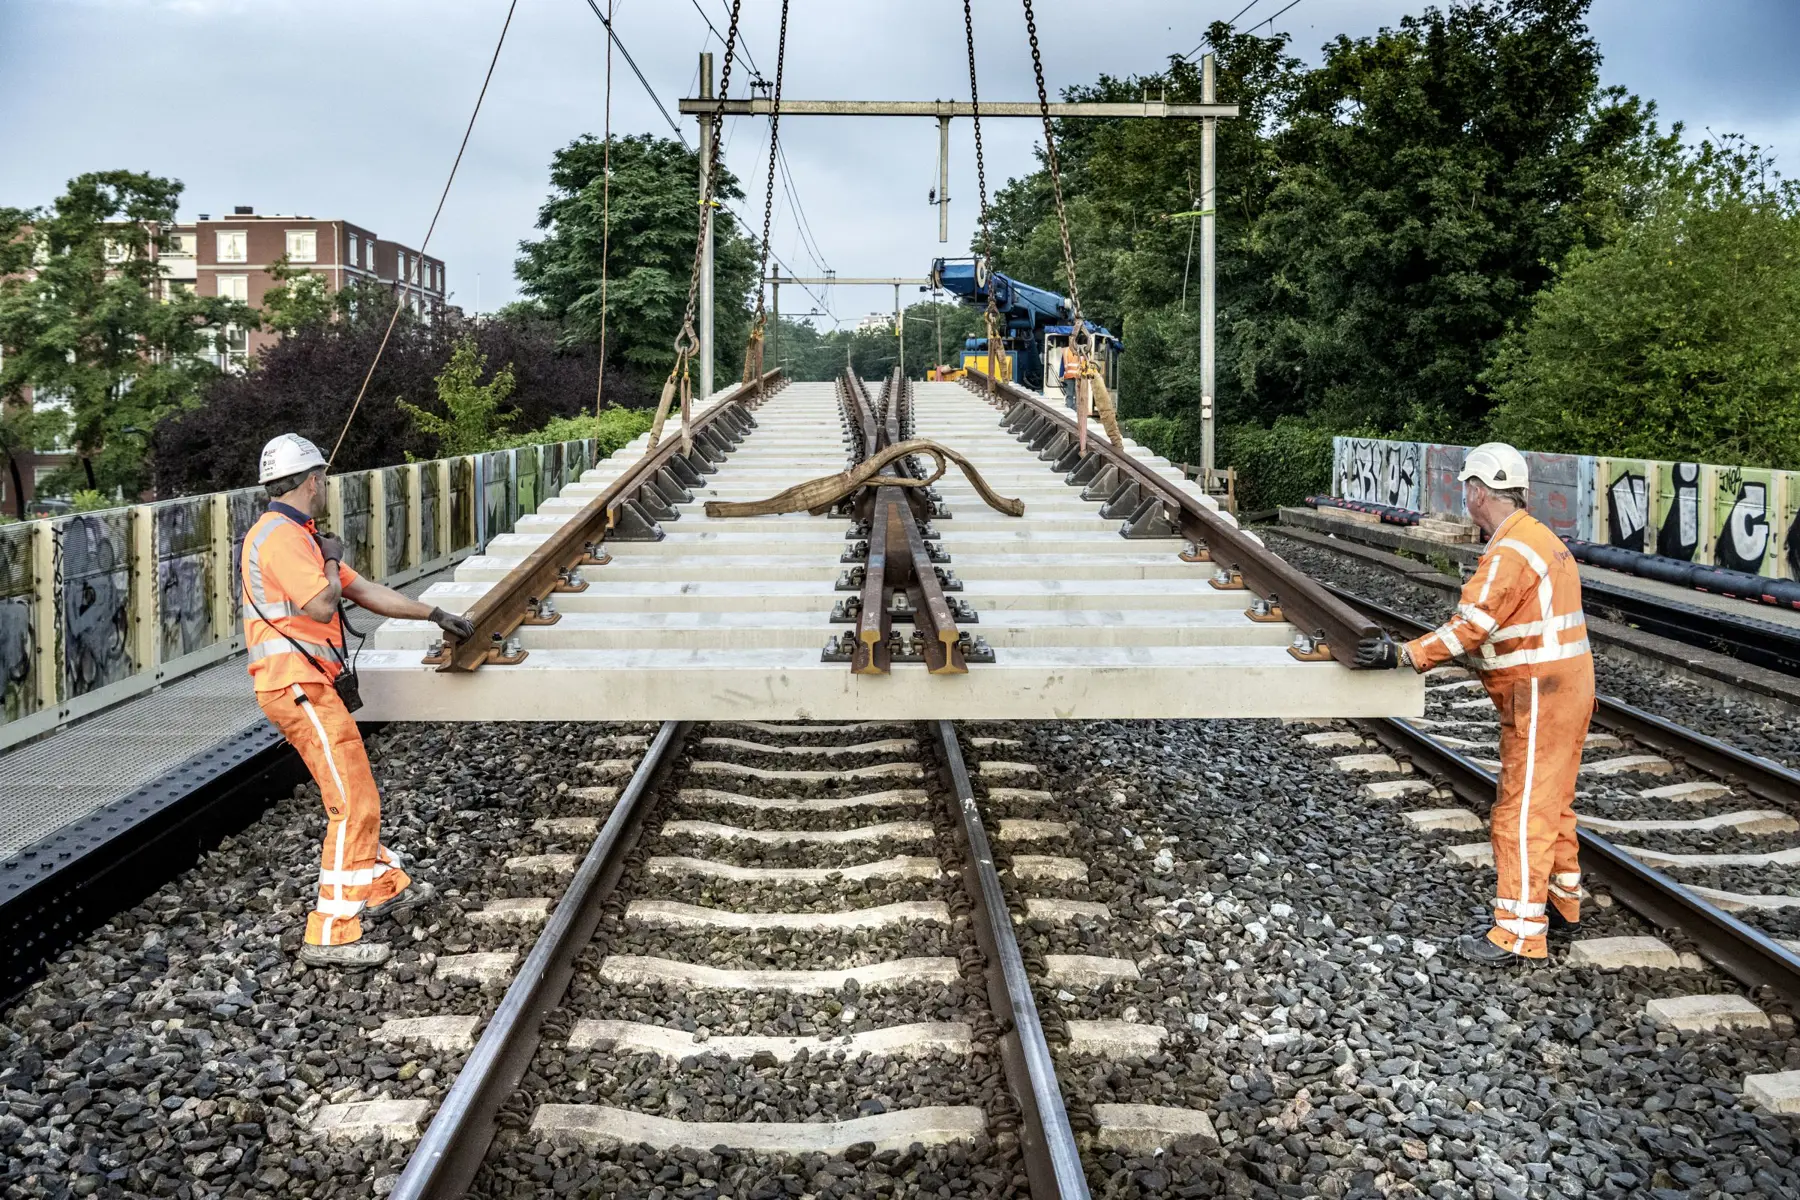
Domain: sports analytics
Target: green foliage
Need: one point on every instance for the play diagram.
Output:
(299, 299)
(1381, 218)
(654, 197)
(472, 420)
(1171, 437)
(614, 428)
(89, 500)
(1282, 464)
(95, 327)
(809, 354)
(1681, 339)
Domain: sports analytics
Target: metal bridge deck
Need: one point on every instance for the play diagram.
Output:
(726, 618)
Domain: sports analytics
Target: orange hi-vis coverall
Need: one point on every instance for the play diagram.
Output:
(283, 568)
(1520, 625)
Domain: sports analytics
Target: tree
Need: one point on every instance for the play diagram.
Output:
(94, 325)
(1381, 218)
(1431, 177)
(474, 421)
(307, 382)
(1680, 339)
(300, 298)
(654, 197)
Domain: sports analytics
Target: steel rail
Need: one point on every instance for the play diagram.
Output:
(1748, 955)
(1758, 775)
(1305, 602)
(445, 1163)
(1742, 636)
(548, 569)
(899, 560)
(1052, 1159)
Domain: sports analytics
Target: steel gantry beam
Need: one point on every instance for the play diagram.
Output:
(1209, 113)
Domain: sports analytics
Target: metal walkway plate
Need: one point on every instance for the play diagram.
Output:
(726, 618)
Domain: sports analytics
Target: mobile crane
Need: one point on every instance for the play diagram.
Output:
(1035, 327)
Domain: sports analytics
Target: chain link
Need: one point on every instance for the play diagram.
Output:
(687, 342)
(1080, 337)
(992, 315)
(762, 269)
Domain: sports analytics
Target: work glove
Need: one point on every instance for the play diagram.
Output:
(460, 628)
(1377, 653)
(331, 547)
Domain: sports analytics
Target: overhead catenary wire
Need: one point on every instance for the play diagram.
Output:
(681, 136)
(1207, 41)
(429, 229)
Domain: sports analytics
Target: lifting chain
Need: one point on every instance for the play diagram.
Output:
(753, 359)
(1089, 387)
(687, 342)
(987, 245)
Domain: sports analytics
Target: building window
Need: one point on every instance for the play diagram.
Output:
(236, 353)
(181, 245)
(232, 245)
(235, 287)
(355, 251)
(401, 273)
(115, 250)
(302, 245)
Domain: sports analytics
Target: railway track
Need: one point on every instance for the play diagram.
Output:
(1662, 807)
(765, 905)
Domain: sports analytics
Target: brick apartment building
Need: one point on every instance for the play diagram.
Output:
(232, 256)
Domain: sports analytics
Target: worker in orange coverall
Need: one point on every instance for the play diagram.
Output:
(1520, 625)
(294, 578)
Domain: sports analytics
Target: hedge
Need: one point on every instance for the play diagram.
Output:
(1276, 466)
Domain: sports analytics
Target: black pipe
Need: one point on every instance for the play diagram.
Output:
(1782, 593)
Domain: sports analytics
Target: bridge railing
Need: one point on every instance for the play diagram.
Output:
(97, 607)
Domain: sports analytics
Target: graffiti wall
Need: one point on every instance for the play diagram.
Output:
(1622, 503)
(1743, 518)
(525, 470)
(431, 508)
(1379, 471)
(462, 503)
(140, 595)
(184, 575)
(93, 568)
(18, 632)
(397, 528)
(1680, 515)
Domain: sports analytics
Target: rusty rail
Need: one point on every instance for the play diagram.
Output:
(628, 510)
(1150, 507)
(899, 572)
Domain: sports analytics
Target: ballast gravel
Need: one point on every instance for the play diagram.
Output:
(1746, 724)
(1297, 943)
(182, 1050)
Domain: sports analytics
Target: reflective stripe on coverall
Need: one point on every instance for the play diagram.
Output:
(1520, 625)
(283, 568)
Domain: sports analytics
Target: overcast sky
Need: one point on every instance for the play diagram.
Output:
(353, 110)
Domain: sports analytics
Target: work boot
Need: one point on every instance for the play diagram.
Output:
(1560, 924)
(351, 956)
(1477, 947)
(402, 902)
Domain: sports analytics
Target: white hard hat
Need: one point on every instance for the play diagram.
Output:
(1498, 465)
(289, 454)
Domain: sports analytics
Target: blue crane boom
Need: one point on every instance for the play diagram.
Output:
(1034, 322)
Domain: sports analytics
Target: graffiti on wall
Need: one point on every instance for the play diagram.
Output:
(1562, 493)
(184, 576)
(1378, 471)
(242, 507)
(398, 521)
(1743, 504)
(496, 488)
(462, 503)
(94, 570)
(358, 519)
(18, 638)
(525, 468)
(1622, 497)
(1679, 513)
(430, 505)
